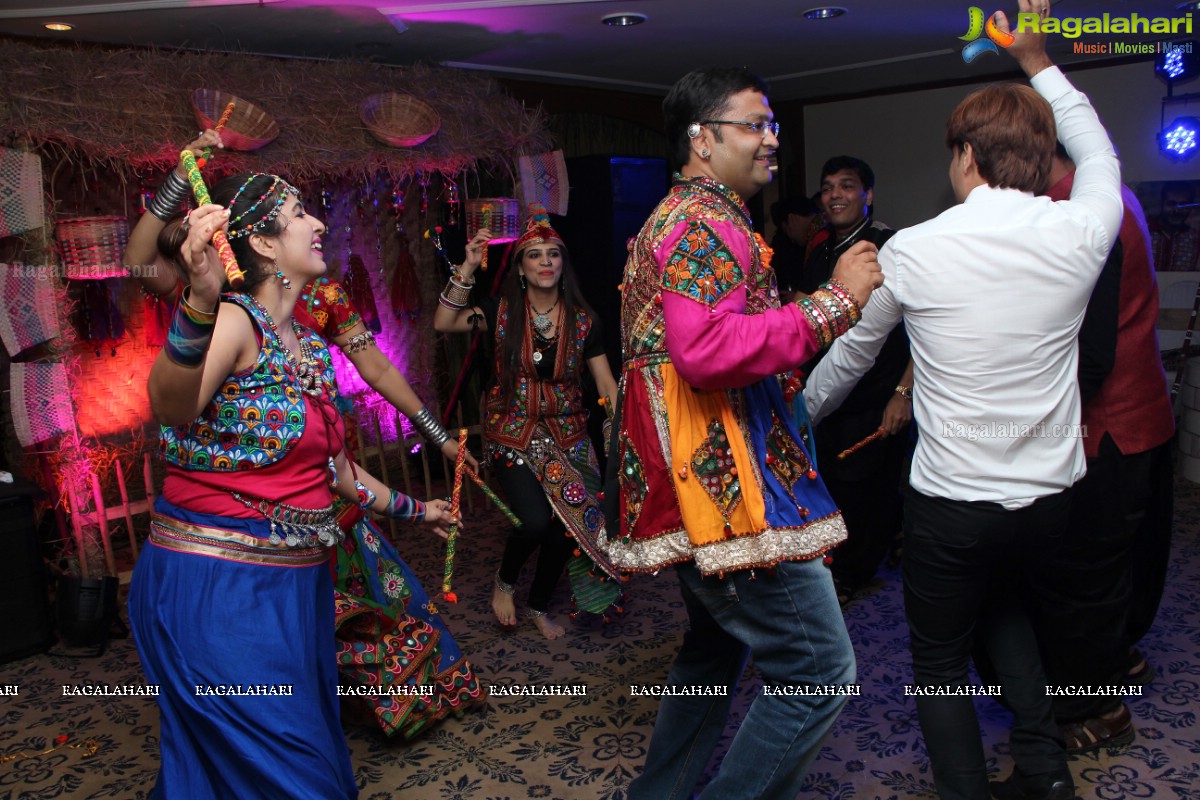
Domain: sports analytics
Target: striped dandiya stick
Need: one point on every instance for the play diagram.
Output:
(233, 273)
(854, 448)
(460, 464)
(490, 495)
(221, 123)
(487, 223)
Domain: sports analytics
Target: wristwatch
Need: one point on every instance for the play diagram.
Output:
(905, 392)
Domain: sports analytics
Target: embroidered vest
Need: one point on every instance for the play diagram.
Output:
(557, 402)
(256, 417)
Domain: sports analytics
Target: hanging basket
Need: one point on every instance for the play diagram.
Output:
(91, 247)
(503, 218)
(248, 128)
(399, 120)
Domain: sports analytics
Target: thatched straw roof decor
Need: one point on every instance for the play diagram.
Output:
(131, 110)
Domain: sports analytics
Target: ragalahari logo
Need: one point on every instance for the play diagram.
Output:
(976, 46)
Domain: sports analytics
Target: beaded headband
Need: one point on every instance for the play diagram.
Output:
(277, 183)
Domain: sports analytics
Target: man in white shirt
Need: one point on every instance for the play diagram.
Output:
(992, 293)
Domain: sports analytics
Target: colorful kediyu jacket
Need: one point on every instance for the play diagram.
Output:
(711, 468)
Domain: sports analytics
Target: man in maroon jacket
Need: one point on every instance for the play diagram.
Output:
(1120, 517)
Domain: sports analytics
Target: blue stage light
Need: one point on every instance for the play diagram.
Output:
(1179, 140)
(1178, 62)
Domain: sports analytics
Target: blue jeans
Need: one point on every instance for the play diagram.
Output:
(789, 621)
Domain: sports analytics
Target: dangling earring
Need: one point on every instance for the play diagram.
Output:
(521, 278)
(287, 284)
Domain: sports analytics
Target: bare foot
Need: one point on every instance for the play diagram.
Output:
(504, 608)
(549, 628)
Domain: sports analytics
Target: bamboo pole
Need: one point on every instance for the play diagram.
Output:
(77, 528)
(125, 507)
(102, 519)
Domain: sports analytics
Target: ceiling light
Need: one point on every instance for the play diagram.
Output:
(824, 12)
(624, 19)
(59, 26)
(46, 10)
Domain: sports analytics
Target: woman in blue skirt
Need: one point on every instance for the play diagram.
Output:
(231, 603)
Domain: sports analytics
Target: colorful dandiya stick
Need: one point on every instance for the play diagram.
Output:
(487, 223)
(233, 273)
(221, 123)
(490, 495)
(460, 464)
(854, 448)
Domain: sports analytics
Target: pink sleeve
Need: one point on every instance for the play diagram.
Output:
(719, 346)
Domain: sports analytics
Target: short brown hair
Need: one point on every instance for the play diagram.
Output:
(1010, 128)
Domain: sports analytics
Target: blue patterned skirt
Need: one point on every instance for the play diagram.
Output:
(238, 636)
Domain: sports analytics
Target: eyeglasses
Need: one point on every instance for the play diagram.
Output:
(760, 128)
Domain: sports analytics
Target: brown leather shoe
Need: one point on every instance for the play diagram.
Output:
(1104, 731)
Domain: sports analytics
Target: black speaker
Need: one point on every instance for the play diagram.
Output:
(611, 198)
(25, 626)
(86, 610)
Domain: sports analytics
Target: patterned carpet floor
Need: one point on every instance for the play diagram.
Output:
(590, 747)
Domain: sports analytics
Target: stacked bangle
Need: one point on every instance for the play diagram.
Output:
(190, 333)
(428, 426)
(457, 292)
(831, 311)
(847, 297)
(169, 197)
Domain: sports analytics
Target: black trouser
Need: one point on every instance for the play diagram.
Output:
(539, 528)
(871, 506)
(1085, 617)
(1152, 552)
(967, 567)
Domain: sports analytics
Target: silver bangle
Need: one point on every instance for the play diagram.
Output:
(430, 428)
(169, 197)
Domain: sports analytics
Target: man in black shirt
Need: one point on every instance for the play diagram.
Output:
(865, 485)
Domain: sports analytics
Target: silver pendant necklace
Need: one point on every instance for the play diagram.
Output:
(541, 319)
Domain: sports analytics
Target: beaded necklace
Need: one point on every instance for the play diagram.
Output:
(307, 372)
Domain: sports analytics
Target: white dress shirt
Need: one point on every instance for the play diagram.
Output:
(992, 293)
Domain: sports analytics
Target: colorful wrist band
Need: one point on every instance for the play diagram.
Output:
(190, 334)
(404, 508)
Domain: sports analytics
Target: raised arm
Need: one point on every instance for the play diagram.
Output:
(453, 315)
(204, 344)
(155, 273)
(1097, 186)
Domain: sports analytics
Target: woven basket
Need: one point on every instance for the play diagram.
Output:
(91, 247)
(249, 127)
(399, 120)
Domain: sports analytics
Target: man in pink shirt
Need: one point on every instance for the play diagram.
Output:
(713, 477)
